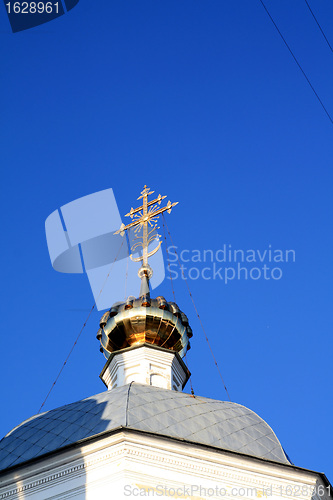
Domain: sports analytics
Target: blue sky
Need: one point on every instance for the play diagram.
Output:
(203, 102)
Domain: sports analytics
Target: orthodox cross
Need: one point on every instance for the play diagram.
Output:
(145, 219)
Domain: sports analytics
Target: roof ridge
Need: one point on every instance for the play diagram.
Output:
(127, 402)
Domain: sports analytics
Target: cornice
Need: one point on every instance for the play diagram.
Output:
(171, 460)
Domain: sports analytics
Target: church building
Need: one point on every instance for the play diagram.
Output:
(144, 437)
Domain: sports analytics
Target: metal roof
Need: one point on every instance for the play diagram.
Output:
(224, 425)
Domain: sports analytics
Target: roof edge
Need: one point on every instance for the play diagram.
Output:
(124, 429)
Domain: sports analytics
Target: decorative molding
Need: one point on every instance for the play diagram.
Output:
(82, 467)
(167, 460)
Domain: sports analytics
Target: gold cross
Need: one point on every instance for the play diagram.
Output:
(143, 216)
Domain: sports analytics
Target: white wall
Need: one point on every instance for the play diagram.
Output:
(126, 464)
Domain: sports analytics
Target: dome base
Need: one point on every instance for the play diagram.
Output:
(145, 364)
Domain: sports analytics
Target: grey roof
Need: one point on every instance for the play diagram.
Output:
(224, 425)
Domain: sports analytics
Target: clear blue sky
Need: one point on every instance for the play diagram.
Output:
(202, 101)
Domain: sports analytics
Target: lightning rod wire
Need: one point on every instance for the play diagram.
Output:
(197, 313)
(79, 335)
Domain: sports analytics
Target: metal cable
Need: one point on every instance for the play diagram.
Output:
(167, 251)
(127, 258)
(296, 61)
(197, 313)
(322, 31)
(77, 338)
(186, 363)
(174, 298)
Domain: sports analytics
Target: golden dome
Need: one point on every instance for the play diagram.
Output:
(144, 320)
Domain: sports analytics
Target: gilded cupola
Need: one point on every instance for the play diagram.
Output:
(151, 323)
